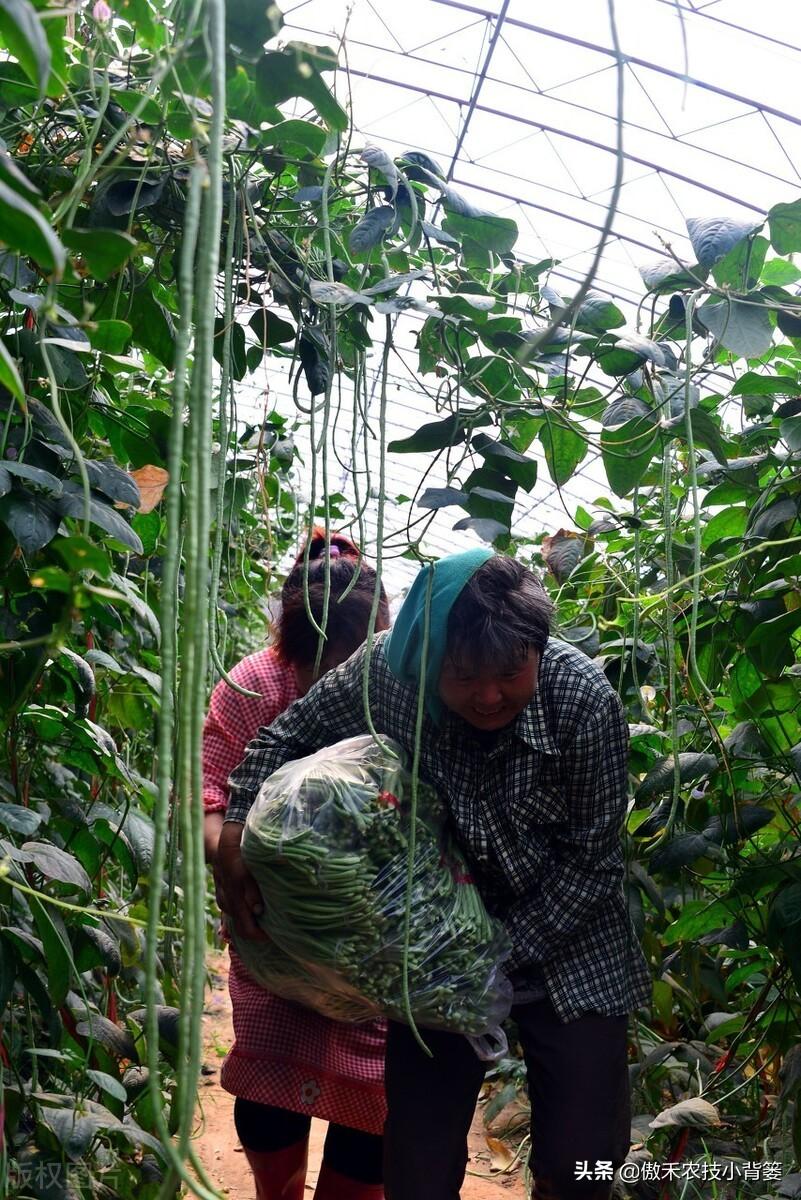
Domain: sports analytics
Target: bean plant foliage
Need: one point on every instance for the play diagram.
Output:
(184, 208)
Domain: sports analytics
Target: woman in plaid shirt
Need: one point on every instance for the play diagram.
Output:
(287, 1063)
(527, 741)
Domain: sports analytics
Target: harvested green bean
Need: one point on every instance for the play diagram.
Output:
(328, 841)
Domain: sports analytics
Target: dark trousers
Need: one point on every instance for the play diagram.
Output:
(580, 1109)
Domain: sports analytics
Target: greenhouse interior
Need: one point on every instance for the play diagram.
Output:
(400, 645)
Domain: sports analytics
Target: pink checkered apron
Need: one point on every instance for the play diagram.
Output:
(284, 1054)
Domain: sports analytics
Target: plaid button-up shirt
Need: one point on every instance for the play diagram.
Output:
(539, 814)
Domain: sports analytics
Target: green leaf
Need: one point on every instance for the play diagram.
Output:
(504, 458)
(490, 377)
(52, 579)
(32, 519)
(692, 766)
(714, 237)
(9, 375)
(23, 34)
(270, 329)
(779, 272)
(111, 337)
(744, 329)
(679, 851)
(740, 268)
(251, 23)
(731, 828)
(111, 480)
(627, 451)
(285, 74)
(786, 907)
(34, 475)
(80, 554)
(18, 182)
(784, 221)
(564, 447)
(237, 361)
(441, 497)
(103, 250)
(153, 326)
(497, 234)
(19, 819)
(129, 101)
(71, 504)
(56, 946)
(666, 275)
(296, 133)
(790, 432)
(56, 864)
(435, 435)
(753, 384)
(706, 433)
(597, 314)
(370, 230)
(107, 1083)
(777, 631)
(563, 551)
(697, 917)
(25, 229)
(731, 522)
(487, 528)
(438, 235)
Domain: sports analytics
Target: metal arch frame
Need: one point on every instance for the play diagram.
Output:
(657, 168)
(478, 84)
(548, 94)
(699, 12)
(569, 39)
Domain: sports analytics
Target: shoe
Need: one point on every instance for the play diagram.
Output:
(333, 1186)
(280, 1174)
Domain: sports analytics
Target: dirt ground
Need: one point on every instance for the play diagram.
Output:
(218, 1145)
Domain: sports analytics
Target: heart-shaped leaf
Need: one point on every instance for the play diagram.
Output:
(71, 504)
(441, 497)
(104, 251)
(25, 229)
(486, 528)
(34, 475)
(32, 519)
(784, 222)
(713, 237)
(745, 329)
(692, 767)
(370, 230)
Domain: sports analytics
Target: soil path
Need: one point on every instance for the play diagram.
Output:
(218, 1145)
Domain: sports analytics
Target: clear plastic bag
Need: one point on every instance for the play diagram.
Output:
(328, 843)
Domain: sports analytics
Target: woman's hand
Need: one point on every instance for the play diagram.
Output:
(212, 828)
(237, 890)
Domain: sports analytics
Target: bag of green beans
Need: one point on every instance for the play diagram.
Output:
(328, 843)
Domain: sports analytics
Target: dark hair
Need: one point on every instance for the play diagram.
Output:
(294, 637)
(501, 612)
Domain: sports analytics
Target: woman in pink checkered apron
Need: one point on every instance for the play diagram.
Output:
(289, 1064)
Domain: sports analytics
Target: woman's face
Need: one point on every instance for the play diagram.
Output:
(487, 698)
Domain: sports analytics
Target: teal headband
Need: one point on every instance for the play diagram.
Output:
(403, 648)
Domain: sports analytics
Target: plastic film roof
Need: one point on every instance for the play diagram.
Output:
(518, 102)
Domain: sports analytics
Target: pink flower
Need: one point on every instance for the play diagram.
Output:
(101, 11)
